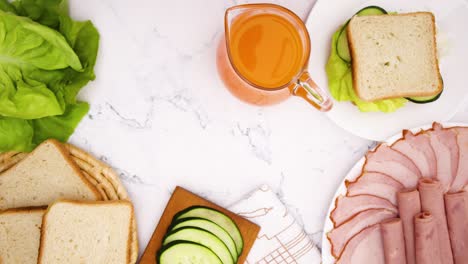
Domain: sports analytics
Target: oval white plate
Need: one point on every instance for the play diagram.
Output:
(451, 18)
(327, 257)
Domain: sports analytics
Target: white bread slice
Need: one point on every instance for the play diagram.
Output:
(20, 232)
(394, 56)
(45, 175)
(86, 232)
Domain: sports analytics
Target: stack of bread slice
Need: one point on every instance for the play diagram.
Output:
(51, 213)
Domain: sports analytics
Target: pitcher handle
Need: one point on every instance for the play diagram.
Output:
(312, 93)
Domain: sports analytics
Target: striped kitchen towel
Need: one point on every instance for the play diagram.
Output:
(281, 240)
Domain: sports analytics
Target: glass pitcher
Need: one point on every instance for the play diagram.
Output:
(263, 56)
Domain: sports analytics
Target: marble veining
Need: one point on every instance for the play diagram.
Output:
(161, 117)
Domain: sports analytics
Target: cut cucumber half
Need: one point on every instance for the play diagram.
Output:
(210, 227)
(216, 217)
(202, 237)
(185, 252)
(342, 47)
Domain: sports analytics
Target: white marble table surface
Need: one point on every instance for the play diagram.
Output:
(161, 116)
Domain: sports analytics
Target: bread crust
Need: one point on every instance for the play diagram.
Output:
(355, 63)
(74, 166)
(23, 210)
(87, 203)
(65, 153)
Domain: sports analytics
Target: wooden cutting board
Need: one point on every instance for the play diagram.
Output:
(182, 199)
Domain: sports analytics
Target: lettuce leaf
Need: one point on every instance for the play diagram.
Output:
(15, 134)
(59, 127)
(6, 6)
(340, 83)
(45, 12)
(45, 59)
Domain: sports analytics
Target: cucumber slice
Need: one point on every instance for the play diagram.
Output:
(216, 217)
(427, 99)
(210, 227)
(186, 252)
(202, 237)
(342, 47)
(371, 11)
(424, 99)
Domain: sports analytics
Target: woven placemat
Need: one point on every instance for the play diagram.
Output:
(98, 174)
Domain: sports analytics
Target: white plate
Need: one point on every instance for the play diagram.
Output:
(452, 22)
(352, 175)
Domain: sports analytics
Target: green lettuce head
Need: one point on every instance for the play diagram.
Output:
(45, 59)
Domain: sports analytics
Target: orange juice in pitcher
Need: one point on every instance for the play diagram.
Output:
(263, 56)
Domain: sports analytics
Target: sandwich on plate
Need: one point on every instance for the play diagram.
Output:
(379, 61)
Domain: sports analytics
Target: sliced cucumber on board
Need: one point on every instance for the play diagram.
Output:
(216, 217)
(202, 237)
(210, 227)
(187, 253)
(342, 47)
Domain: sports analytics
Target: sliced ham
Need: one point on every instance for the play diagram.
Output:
(348, 206)
(341, 235)
(461, 178)
(456, 206)
(376, 184)
(432, 201)
(394, 164)
(365, 247)
(409, 205)
(444, 143)
(419, 150)
(393, 241)
(427, 249)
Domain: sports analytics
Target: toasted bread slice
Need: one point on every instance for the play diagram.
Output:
(394, 56)
(86, 232)
(45, 175)
(20, 231)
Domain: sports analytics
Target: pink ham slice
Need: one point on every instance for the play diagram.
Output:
(461, 178)
(444, 143)
(409, 205)
(456, 206)
(432, 201)
(348, 206)
(341, 235)
(365, 247)
(426, 244)
(393, 241)
(419, 150)
(394, 164)
(376, 184)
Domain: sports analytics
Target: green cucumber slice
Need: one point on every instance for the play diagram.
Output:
(371, 11)
(427, 99)
(342, 47)
(202, 237)
(186, 252)
(424, 99)
(210, 227)
(216, 217)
